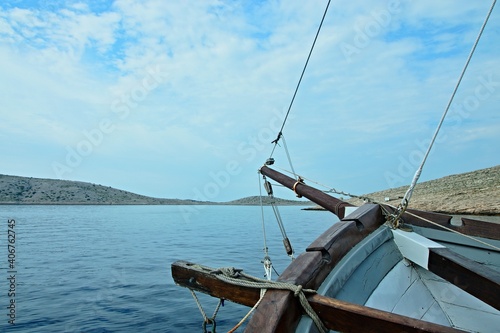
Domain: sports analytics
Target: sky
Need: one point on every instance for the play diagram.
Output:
(181, 99)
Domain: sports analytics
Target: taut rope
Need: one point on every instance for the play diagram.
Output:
(300, 79)
(406, 199)
(232, 276)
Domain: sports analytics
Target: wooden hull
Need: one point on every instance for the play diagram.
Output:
(375, 274)
(372, 271)
(371, 278)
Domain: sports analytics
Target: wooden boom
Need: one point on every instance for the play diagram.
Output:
(470, 227)
(326, 201)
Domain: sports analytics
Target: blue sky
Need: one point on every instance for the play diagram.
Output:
(182, 99)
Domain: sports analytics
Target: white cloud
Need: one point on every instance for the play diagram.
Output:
(379, 78)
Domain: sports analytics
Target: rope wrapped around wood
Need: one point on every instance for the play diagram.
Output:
(233, 276)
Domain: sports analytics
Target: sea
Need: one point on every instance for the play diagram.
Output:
(108, 268)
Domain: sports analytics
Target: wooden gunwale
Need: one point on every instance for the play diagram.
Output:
(335, 314)
(470, 227)
(348, 317)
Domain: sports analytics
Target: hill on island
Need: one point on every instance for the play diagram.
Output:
(40, 191)
(475, 193)
(27, 190)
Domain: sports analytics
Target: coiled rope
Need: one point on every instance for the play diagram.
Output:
(235, 277)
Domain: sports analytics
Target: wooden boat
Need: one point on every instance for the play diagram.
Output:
(372, 277)
(380, 269)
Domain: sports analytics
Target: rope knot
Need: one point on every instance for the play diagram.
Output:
(395, 219)
(297, 291)
(228, 271)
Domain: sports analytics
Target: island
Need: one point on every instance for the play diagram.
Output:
(16, 190)
(474, 193)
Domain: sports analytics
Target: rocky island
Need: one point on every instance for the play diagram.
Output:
(15, 190)
(476, 193)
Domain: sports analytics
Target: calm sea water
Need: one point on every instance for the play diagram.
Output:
(107, 268)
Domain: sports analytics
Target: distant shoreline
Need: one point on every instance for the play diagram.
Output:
(298, 204)
(307, 206)
(471, 193)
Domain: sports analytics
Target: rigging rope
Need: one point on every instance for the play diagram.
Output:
(387, 213)
(329, 189)
(267, 259)
(300, 79)
(404, 202)
(232, 276)
(397, 223)
(286, 241)
(207, 320)
(288, 156)
(262, 293)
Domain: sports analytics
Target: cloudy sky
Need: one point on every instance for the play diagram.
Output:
(181, 99)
